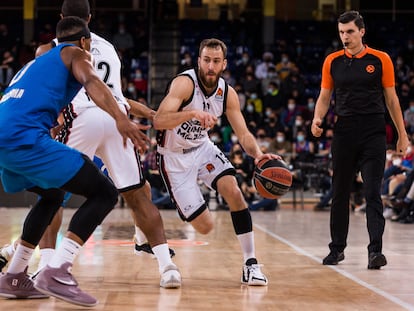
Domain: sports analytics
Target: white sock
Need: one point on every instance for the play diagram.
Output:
(66, 252)
(140, 237)
(46, 255)
(20, 259)
(247, 245)
(162, 252)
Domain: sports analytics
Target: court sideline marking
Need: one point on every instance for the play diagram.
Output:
(340, 271)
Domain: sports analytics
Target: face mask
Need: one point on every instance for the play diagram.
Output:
(131, 89)
(280, 139)
(270, 91)
(245, 60)
(311, 105)
(250, 108)
(268, 113)
(409, 149)
(214, 138)
(300, 138)
(138, 76)
(396, 162)
(298, 123)
(234, 139)
(412, 108)
(291, 107)
(389, 156)
(285, 60)
(253, 96)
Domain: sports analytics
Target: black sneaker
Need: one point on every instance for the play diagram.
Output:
(3, 261)
(333, 258)
(376, 261)
(146, 249)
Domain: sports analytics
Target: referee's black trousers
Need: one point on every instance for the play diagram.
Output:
(359, 144)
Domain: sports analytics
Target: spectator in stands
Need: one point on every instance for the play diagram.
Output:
(262, 139)
(271, 123)
(282, 146)
(253, 119)
(141, 84)
(404, 94)
(303, 148)
(250, 83)
(47, 34)
(402, 70)
(242, 96)
(288, 116)
(186, 62)
(294, 85)
(7, 68)
(131, 91)
(409, 117)
(308, 110)
(256, 101)
(123, 39)
(273, 97)
(7, 41)
(325, 143)
(263, 67)
(333, 47)
(228, 77)
(244, 171)
(271, 77)
(241, 65)
(285, 66)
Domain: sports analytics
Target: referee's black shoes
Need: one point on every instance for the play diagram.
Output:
(333, 258)
(376, 261)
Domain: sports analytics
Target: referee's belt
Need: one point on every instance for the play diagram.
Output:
(183, 151)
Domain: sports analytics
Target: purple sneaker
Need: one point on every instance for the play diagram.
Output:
(18, 286)
(60, 283)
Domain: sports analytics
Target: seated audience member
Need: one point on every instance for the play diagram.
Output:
(281, 146)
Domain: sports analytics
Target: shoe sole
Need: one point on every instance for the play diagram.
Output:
(377, 263)
(12, 296)
(256, 283)
(171, 284)
(75, 302)
(146, 254)
(333, 263)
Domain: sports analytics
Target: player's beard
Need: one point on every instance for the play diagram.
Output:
(208, 79)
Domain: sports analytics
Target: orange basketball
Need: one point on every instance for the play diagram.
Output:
(272, 178)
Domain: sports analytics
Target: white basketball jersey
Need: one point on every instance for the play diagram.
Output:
(108, 68)
(191, 134)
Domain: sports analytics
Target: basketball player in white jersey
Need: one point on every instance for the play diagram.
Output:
(92, 131)
(195, 100)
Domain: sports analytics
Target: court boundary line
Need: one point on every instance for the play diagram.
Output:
(344, 273)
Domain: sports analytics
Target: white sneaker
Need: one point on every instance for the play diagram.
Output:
(170, 277)
(252, 275)
(388, 213)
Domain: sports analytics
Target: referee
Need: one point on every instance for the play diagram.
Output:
(362, 79)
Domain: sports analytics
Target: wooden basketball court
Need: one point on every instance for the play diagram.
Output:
(290, 244)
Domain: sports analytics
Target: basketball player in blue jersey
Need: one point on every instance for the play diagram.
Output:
(195, 100)
(31, 160)
(91, 131)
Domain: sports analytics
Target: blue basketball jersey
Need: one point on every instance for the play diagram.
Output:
(34, 98)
